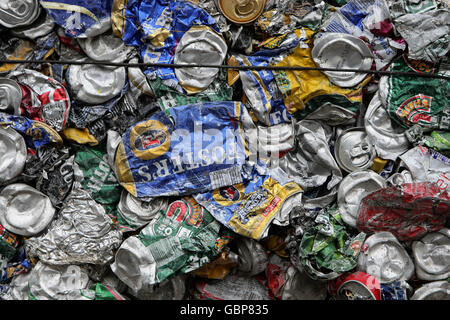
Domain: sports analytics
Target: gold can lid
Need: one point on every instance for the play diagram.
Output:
(241, 11)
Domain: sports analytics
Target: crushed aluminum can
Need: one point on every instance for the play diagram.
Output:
(15, 49)
(18, 13)
(252, 257)
(354, 150)
(10, 96)
(409, 211)
(81, 233)
(80, 18)
(275, 141)
(136, 213)
(42, 26)
(66, 282)
(53, 96)
(411, 100)
(138, 81)
(311, 163)
(18, 287)
(356, 286)
(398, 290)
(299, 286)
(104, 292)
(169, 289)
(427, 165)
(353, 188)
(25, 210)
(105, 47)
(13, 154)
(385, 258)
(432, 255)
(345, 51)
(241, 11)
(218, 268)
(436, 290)
(200, 44)
(179, 240)
(233, 287)
(175, 155)
(400, 178)
(94, 84)
(388, 138)
(248, 208)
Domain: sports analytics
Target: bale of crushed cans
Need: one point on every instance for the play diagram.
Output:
(124, 175)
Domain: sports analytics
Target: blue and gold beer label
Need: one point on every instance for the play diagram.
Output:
(197, 148)
(248, 208)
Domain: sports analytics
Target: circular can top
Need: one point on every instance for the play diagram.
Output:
(342, 51)
(95, 84)
(241, 11)
(24, 210)
(252, 257)
(358, 286)
(432, 255)
(10, 96)
(105, 47)
(42, 26)
(353, 150)
(137, 212)
(352, 189)
(385, 258)
(436, 290)
(13, 153)
(389, 139)
(15, 13)
(200, 44)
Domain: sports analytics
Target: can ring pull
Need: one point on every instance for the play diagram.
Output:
(245, 7)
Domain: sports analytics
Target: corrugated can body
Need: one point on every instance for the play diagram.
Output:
(203, 149)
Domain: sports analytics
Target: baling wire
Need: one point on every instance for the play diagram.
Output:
(223, 66)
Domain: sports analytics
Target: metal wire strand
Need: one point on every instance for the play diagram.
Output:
(257, 68)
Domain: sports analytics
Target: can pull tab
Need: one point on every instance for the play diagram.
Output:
(245, 7)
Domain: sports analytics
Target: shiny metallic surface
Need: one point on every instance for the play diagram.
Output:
(332, 115)
(241, 11)
(10, 96)
(432, 255)
(345, 51)
(65, 282)
(42, 26)
(252, 257)
(311, 162)
(82, 232)
(138, 81)
(139, 213)
(400, 178)
(301, 287)
(436, 290)
(353, 188)
(385, 258)
(354, 290)
(388, 138)
(56, 108)
(276, 139)
(319, 275)
(200, 44)
(95, 84)
(13, 154)
(25, 210)
(353, 150)
(113, 139)
(105, 47)
(15, 13)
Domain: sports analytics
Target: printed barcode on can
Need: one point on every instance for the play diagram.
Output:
(165, 250)
(225, 177)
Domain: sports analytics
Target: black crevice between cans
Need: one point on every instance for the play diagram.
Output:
(274, 68)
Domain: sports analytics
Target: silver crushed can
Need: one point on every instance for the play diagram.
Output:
(388, 138)
(42, 26)
(353, 188)
(169, 289)
(138, 213)
(353, 150)
(138, 81)
(200, 44)
(342, 51)
(24, 210)
(105, 47)
(15, 13)
(252, 257)
(432, 255)
(95, 84)
(13, 154)
(436, 290)
(10, 96)
(299, 286)
(385, 258)
(275, 140)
